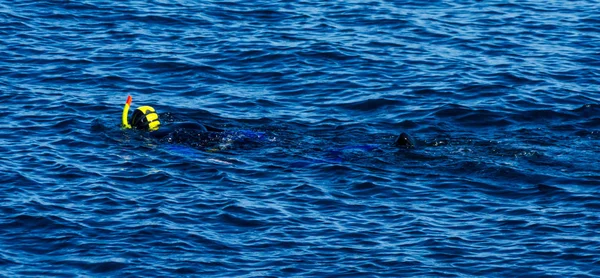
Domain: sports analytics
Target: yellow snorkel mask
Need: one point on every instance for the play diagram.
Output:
(143, 118)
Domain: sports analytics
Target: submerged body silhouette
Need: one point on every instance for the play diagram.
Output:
(204, 137)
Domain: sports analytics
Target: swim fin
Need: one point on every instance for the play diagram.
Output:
(405, 140)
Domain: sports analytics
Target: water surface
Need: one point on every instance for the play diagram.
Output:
(501, 96)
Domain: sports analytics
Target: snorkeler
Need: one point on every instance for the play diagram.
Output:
(145, 118)
(193, 134)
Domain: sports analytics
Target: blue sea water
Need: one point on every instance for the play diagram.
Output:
(502, 98)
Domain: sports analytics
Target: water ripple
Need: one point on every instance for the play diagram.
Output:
(500, 97)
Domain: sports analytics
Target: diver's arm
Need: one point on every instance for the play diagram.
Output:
(167, 129)
(189, 126)
(196, 126)
(162, 132)
(213, 129)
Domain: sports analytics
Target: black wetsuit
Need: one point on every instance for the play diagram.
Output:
(189, 133)
(191, 127)
(198, 135)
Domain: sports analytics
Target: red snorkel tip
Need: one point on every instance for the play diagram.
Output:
(128, 100)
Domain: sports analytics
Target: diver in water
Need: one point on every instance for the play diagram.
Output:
(194, 134)
(145, 118)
